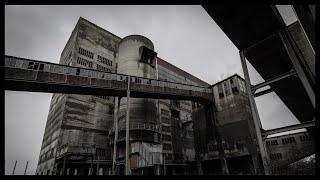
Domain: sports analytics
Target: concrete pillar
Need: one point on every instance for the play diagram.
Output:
(75, 171)
(116, 110)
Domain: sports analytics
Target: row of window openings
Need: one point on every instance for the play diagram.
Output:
(84, 62)
(104, 69)
(103, 97)
(289, 140)
(104, 60)
(90, 55)
(276, 156)
(86, 53)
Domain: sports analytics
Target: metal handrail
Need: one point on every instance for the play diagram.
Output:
(21, 63)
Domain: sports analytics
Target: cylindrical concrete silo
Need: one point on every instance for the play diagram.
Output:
(143, 111)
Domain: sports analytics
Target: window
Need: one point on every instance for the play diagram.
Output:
(220, 91)
(102, 68)
(273, 142)
(41, 67)
(288, 140)
(104, 97)
(104, 60)
(87, 53)
(100, 152)
(137, 80)
(276, 156)
(30, 65)
(84, 62)
(305, 138)
(235, 90)
(36, 65)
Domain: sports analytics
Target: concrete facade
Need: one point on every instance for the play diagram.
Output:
(91, 47)
(78, 135)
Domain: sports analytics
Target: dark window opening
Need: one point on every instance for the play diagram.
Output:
(235, 90)
(36, 65)
(147, 55)
(41, 67)
(221, 95)
(78, 72)
(30, 65)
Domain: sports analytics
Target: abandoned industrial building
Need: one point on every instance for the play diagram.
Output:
(119, 109)
(166, 136)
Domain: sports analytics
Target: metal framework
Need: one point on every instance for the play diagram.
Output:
(255, 115)
(298, 70)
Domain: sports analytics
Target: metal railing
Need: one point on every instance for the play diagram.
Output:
(138, 126)
(33, 65)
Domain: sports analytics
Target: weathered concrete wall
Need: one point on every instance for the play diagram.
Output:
(286, 149)
(234, 122)
(145, 110)
(85, 119)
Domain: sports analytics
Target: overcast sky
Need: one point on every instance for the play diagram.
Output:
(185, 36)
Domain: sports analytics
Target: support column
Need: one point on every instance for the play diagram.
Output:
(255, 116)
(127, 172)
(116, 110)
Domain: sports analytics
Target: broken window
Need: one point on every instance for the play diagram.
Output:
(30, 65)
(147, 55)
(41, 67)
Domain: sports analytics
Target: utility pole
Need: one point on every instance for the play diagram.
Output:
(127, 128)
(14, 168)
(25, 170)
